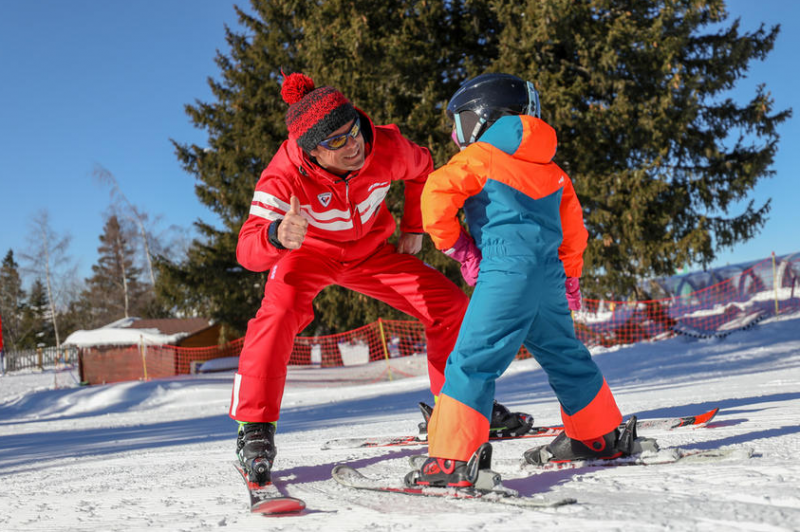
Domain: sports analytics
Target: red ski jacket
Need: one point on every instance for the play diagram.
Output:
(347, 217)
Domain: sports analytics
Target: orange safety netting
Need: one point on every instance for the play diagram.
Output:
(705, 304)
(376, 341)
(738, 300)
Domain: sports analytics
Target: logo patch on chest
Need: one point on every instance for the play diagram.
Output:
(324, 198)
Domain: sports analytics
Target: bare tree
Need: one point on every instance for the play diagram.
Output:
(130, 212)
(47, 258)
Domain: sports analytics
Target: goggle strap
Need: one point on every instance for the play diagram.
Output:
(534, 108)
(459, 131)
(476, 129)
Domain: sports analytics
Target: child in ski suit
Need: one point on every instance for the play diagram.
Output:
(526, 239)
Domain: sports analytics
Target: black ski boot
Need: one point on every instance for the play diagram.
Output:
(446, 473)
(255, 448)
(427, 412)
(615, 444)
(504, 424)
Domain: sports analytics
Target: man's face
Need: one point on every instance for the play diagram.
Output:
(348, 158)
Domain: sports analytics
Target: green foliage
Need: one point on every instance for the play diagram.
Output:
(382, 56)
(635, 89)
(36, 323)
(245, 127)
(12, 301)
(27, 323)
(658, 154)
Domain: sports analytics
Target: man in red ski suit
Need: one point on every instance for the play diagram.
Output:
(318, 218)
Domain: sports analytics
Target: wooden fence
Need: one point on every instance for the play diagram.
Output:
(43, 357)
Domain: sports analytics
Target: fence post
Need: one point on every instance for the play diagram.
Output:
(143, 350)
(81, 373)
(39, 357)
(775, 283)
(385, 349)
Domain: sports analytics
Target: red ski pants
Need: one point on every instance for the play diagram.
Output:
(398, 279)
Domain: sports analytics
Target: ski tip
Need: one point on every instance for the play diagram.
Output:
(700, 419)
(346, 475)
(708, 416)
(342, 470)
(279, 506)
(566, 501)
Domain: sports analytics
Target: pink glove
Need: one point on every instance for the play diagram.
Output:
(467, 253)
(573, 287)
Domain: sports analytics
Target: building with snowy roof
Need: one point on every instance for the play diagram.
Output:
(135, 348)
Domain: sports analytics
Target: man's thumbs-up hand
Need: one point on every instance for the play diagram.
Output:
(292, 230)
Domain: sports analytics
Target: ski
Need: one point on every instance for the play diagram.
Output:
(353, 478)
(650, 458)
(534, 432)
(268, 499)
(660, 457)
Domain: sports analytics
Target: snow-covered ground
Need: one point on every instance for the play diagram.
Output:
(157, 455)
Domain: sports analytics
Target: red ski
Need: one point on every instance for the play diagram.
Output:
(268, 499)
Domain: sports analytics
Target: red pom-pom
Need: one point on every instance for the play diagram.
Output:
(295, 86)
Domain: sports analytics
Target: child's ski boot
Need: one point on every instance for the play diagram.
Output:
(615, 444)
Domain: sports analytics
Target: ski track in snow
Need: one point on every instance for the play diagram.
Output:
(157, 455)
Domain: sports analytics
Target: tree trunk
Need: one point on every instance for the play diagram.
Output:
(50, 295)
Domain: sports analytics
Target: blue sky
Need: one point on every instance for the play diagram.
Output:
(98, 82)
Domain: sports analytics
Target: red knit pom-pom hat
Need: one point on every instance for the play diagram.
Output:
(313, 113)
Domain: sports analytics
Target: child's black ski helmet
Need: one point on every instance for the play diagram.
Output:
(481, 100)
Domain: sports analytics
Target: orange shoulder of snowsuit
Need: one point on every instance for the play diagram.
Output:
(525, 164)
(444, 195)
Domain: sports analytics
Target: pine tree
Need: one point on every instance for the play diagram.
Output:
(134, 215)
(37, 328)
(386, 56)
(245, 126)
(114, 290)
(12, 301)
(635, 90)
(399, 61)
(659, 154)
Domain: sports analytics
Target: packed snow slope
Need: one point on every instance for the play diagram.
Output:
(157, 455)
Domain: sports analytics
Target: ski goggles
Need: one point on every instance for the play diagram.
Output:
(334, 143)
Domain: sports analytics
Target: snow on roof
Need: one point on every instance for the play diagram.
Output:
(133, 331)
